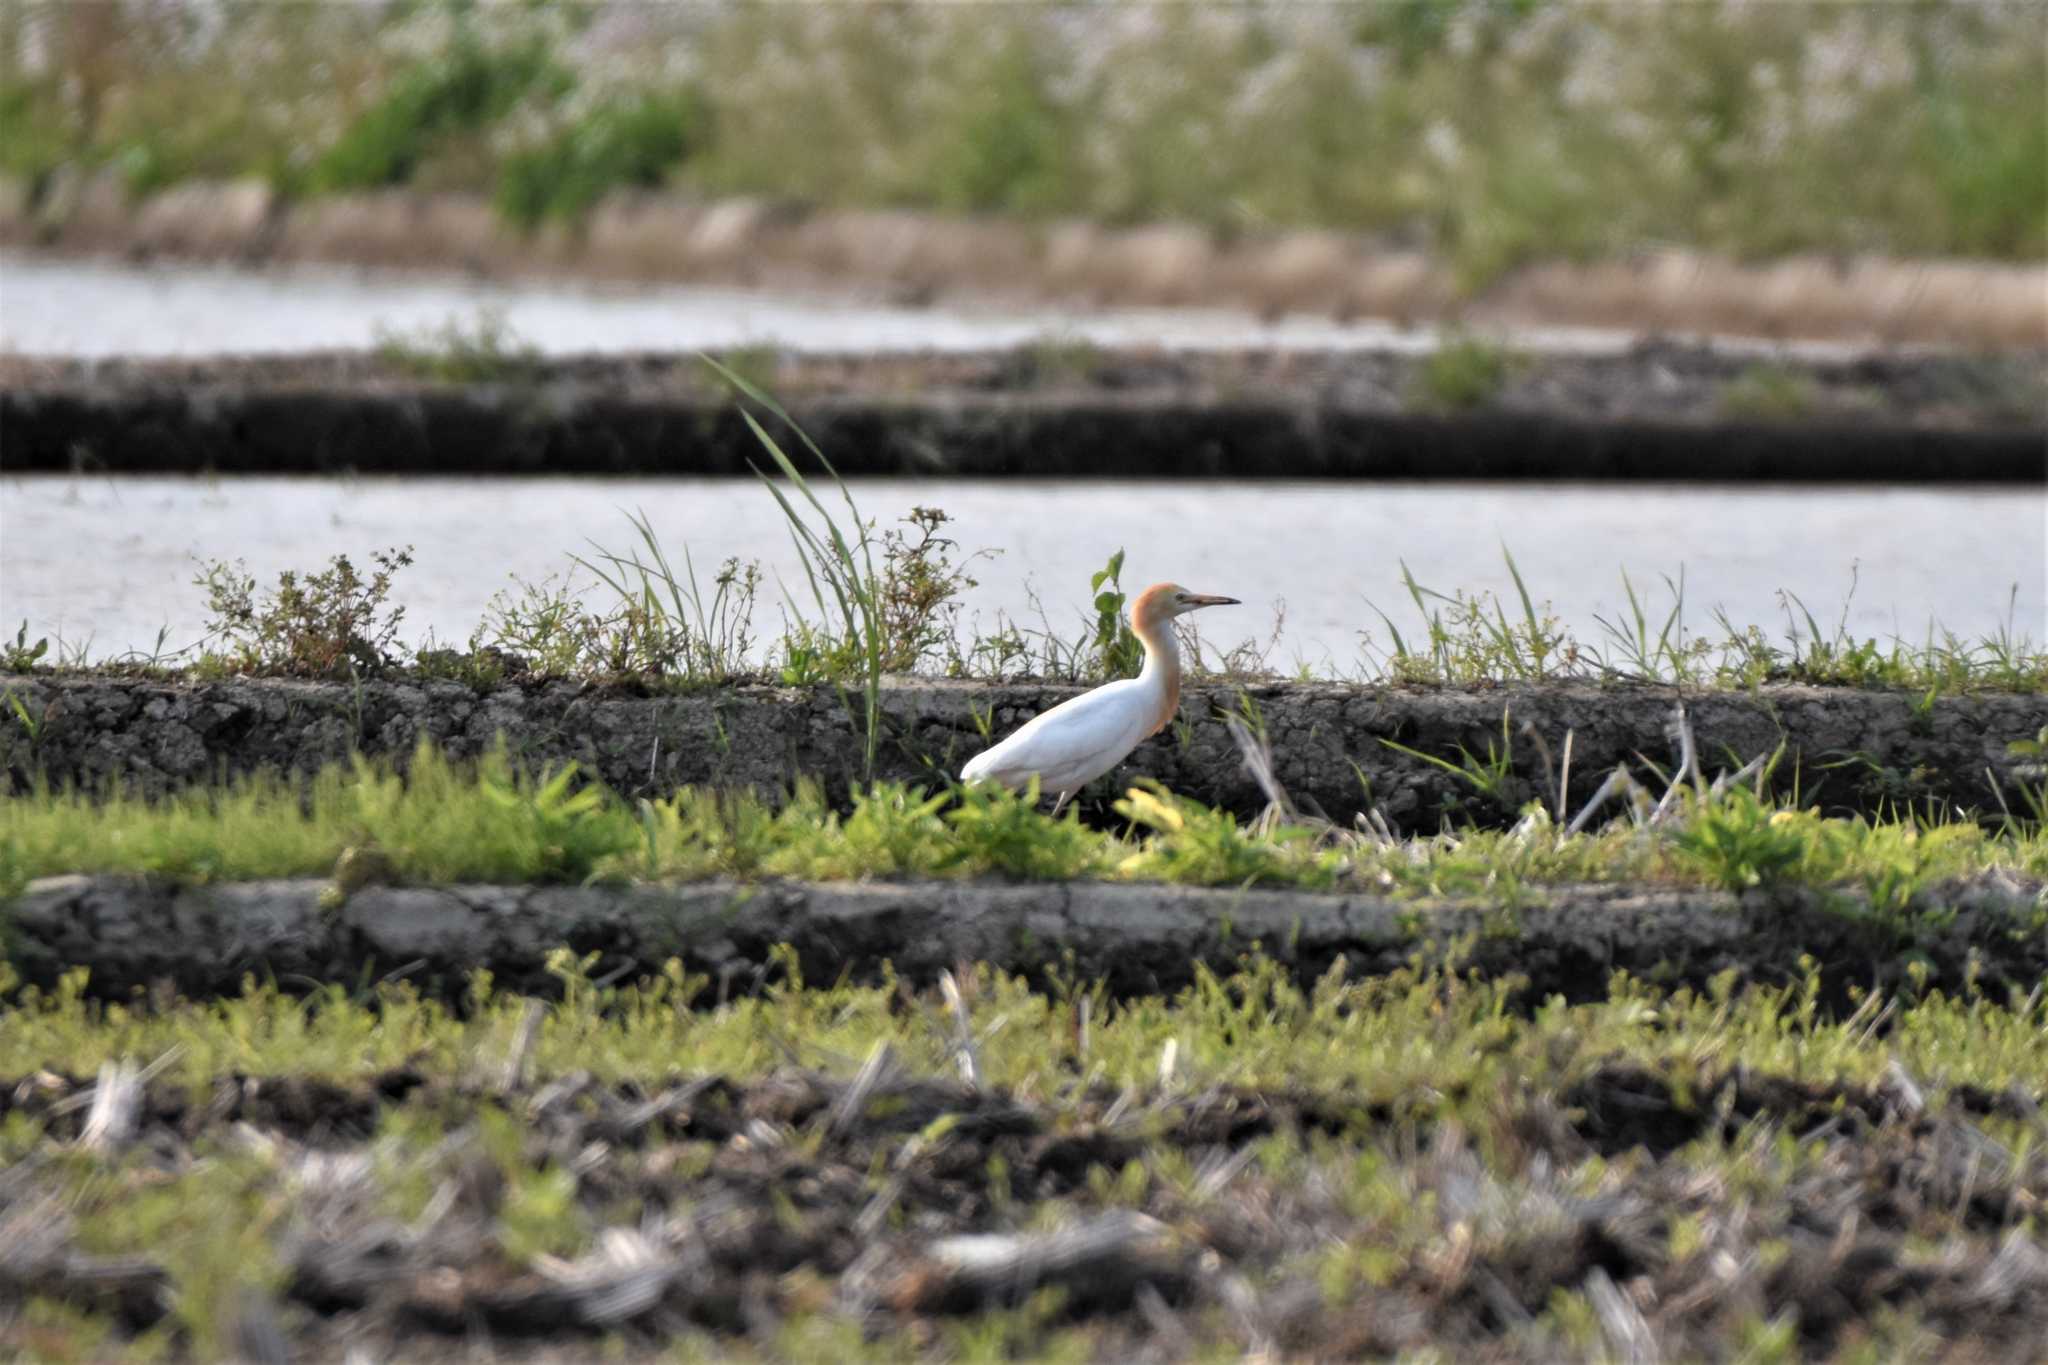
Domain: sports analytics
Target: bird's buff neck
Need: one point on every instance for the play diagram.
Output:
(1161, 674)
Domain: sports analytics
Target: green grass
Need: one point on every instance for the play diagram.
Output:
(434, 101)
(441, 822)
(1768, 393)
(481, 350)
(487, 822)
(1489, 133)
(1463, 373)
(628, 141)
(1432, 1040)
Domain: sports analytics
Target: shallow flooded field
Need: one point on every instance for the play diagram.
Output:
(112, 561)
(98, 310)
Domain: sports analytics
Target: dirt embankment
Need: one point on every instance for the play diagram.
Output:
(1845, 751)
(1135, 939)
(1658, 411)
(918, 257)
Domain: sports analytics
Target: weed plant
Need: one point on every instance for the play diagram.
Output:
(919, 591)
(19, 655)
(661, 625)
(330, 623)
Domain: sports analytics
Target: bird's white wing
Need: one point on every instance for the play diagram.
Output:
(1070, 745)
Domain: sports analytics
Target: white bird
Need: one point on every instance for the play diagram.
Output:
(1079, 740)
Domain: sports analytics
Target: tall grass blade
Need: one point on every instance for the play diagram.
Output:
(830, 563)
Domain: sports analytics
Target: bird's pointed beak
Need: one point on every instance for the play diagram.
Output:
(1196, 599)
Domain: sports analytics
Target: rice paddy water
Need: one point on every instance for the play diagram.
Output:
(111, 561)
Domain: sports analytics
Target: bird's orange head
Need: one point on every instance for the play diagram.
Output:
(1162, 602)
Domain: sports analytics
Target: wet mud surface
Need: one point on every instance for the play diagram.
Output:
(1660, 412)
(1846, 751)
(900, 1206)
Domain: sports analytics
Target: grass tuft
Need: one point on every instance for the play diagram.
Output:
(1768, 393)
(659, 625)
(1462, 373)
(483, 351)
(1472, 638)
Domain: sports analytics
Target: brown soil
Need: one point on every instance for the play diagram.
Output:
(767, 1200)
(1660, 411)
(1845, 751)
(916, 258)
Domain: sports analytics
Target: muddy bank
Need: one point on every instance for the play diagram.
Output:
(778, 1209)
(1658, 412)
(1845, 751)
(919, 257)
(1136, 939)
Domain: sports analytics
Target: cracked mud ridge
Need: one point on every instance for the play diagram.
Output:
(1846, 751)
(135, 934)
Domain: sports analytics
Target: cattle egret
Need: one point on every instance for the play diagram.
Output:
(1079, 740)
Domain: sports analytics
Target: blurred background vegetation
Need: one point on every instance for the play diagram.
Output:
(1491, 132)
